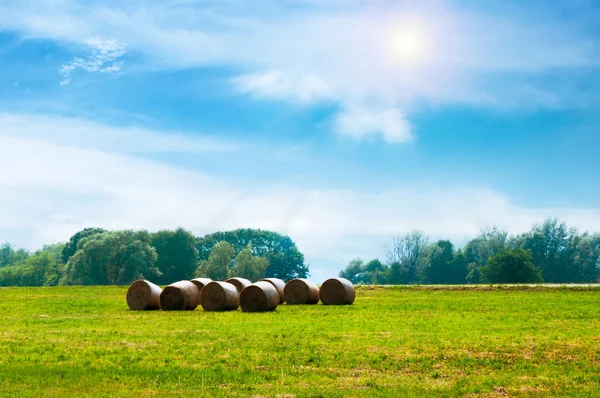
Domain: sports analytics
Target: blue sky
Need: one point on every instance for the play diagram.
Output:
(340, 123)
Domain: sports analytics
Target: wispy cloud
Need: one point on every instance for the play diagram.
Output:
(104, 58)
(87, 134)
(277, 85)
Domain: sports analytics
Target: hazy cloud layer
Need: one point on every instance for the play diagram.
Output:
(52, 189)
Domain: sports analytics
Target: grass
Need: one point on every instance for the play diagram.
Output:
(83, 341)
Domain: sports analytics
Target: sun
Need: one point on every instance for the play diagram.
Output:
(411, 44)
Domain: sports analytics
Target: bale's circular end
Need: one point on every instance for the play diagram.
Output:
(239, 283)
(219, 296)
(143, 295)
(178, 296)
(337, 291)
(279, 285)
(259, 297)
(301, 291)
(201, 282)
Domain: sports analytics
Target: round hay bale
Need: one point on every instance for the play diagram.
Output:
(337, 291)
(259, 297)
(239, 283)
(178, 296)
(220, 296)
(143, 295)
(301, 291)
(279, 285)
(201, 282)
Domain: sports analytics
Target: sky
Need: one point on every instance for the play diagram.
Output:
(339, 123)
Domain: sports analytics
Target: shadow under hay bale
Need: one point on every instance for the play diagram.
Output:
(201, 282)
(143, 295)
(220, 296)
(301, 291)
(259, 297)
(239, 283)
(337, 291)
(279, 285)
(179, 296)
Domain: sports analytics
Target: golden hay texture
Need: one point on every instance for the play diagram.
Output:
(178, 296)
(143, 295)
(279, 284)
(337, 291)
(219, 296)
(201, 282)
(239, 283)
(301, 291)
(259, 297)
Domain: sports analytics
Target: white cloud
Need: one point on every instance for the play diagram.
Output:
(357, 122)
(88, 134)
(104, 58)
(50, 189)
(283, 86)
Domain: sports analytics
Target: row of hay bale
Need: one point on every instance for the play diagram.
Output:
(264, 295)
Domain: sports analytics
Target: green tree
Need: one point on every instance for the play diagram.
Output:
(30, 272)
(249, 266)
(11, 256)
(354, 271)
(177, 254)
(549, 244)
(439, 270)
(219, 262)
(489, 242)
(376, 273)
(406, 257)
(71, 246)
(285, 260)
(511, 266)
(112, 258)
(584, 258)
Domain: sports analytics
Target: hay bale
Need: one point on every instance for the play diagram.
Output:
(279, 285)
(201, 282)
(259, 297)
(301, 291)
(143, 295)
(220, 296)
(337, 291)
(239, 283)
(178, 296)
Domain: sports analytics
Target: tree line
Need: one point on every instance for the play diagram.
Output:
(95, 256)
(549, 252)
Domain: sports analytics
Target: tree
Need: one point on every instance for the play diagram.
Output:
(511, 266)
(489, 242)
(248, 266)
(71, 246)
(219, 262)
(405, 257)
(285, 260)
(112, 258)
(376, 273)
(10, 256)
(30, 272)
(446, 266)
(584, 258)
(177, 254)
(354, 271)
(549, 244)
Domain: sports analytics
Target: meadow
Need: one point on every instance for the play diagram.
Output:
(394, 341)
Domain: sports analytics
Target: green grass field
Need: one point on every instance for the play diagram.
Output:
(84, 341)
